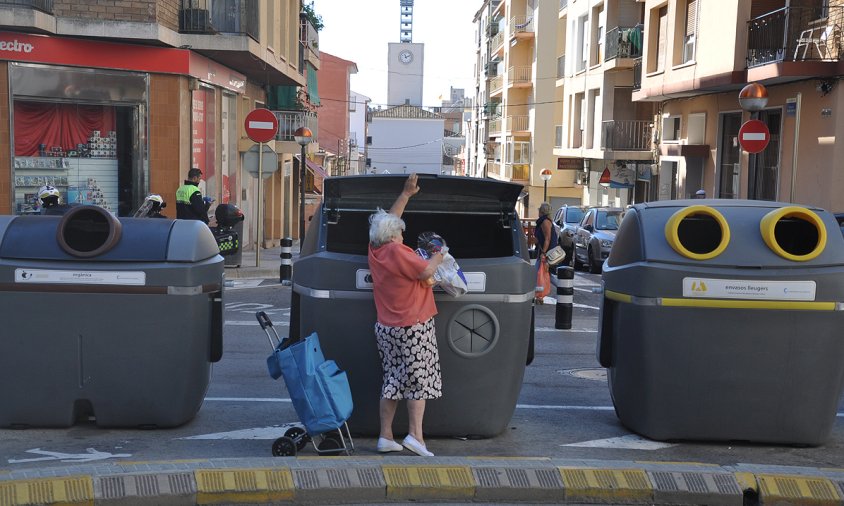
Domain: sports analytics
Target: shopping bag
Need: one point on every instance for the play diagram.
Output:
(543, 279)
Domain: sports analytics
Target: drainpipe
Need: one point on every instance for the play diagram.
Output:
(794, 155)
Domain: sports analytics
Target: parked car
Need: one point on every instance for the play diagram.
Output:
(594, 237)
(565, 221)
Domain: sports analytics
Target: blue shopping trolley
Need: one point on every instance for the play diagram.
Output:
(318, 389)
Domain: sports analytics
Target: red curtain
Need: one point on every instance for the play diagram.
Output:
(62, 125)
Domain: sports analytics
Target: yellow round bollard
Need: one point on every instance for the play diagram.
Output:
(698, 232)
(794, 233)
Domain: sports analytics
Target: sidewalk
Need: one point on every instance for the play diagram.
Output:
(269, 268)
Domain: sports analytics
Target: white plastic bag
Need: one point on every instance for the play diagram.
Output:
(450, 278)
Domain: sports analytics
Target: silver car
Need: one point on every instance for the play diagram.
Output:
(594, 237)
(565, 221)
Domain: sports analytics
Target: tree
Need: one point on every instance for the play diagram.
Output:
(314, 18)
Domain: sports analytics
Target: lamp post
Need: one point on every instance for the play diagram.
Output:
(545, 174)
(753, 98)
(303, 137)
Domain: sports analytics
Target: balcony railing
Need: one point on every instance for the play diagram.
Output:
(519, 123)
(41, 5)
(494, 126)
(518, 75)
(624, 42)
(637, 74)
(795, 34)
(626, 135)
(310, 37)
(289, 121)
(496, 84)
(521, 24)
(519, 171)
(561, 66)
(497, 40)
(220, 16)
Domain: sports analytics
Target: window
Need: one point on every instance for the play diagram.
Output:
(519, 153)
(689, 36)
(696, 128)
(656, 45)
(582, 43)
(671, 128)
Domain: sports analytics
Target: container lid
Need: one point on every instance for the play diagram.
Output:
(436, 193)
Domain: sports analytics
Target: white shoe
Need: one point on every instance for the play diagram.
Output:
(388, 445)
(416, 447)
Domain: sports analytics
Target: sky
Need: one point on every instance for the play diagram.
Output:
(359, 31)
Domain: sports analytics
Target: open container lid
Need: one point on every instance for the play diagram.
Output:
(436, 193)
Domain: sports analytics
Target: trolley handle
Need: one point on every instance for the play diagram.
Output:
(263, 320)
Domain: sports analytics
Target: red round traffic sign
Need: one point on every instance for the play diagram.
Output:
(261, 125)
(754, 136)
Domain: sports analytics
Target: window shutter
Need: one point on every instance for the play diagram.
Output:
(663, 27)
(691, 17)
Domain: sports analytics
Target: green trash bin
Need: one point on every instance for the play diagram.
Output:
(721, 320)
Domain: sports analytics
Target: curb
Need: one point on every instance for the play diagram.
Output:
(312, 480)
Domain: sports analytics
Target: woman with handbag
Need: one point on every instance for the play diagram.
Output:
(407, 341)
(546, 238)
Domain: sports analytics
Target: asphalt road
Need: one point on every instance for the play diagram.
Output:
(564, 410)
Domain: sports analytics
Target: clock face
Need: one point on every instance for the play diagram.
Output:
(405, 56)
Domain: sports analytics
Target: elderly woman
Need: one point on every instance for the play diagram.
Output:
(546, 237)
(407, 343)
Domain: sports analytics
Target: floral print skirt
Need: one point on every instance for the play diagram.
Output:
(410, 361)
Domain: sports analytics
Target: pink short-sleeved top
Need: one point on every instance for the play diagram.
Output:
(401, 299)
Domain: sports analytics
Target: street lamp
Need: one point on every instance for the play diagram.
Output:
(545, 174)
(303, 137)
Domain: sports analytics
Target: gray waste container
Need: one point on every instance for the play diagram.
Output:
(116, 320)
(484, 337)
(721, 320)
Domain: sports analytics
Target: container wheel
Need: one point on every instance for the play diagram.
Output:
(594, 266)
(299, 436)
(284, 447)
(330, 445)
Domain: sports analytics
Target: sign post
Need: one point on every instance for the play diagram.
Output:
(261, 126)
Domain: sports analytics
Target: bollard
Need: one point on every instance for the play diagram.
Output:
(285, 271)
(565, 297)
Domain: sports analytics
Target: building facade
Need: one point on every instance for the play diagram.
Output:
(405, 139)
(109, 102)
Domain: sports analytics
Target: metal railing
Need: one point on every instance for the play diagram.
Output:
(41, 5)
(795, 34)
(626, 135)
(637, 74)
(521, 24)
(623, 42)
(561, 66)
(496, 84)
(497, 40)
(310, 37)
(290, 121)
(519, 75)
(520, 123)
(519, 172)
(220, 16)
(494, 126)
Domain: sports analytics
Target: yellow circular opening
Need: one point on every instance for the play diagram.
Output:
(698, 232)
(794, 233)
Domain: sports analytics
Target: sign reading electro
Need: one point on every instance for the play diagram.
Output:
(14, 45)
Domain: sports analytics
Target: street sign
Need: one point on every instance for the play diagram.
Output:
(261, 125)
(269, 162)
(754, 136)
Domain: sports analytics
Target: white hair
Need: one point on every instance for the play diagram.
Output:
(384, 227)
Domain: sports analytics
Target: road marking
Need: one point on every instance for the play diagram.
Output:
(255, 323)
(237, 284)
(628, 442)
(549, 300)
(90, 456)
(262, 433)
(549, 329)
(247, 399)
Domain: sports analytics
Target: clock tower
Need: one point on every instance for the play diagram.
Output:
(405, 63)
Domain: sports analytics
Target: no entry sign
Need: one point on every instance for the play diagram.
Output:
(754, 136)
(261, 125)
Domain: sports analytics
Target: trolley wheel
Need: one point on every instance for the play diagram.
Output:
(330, 445)
(284, 447)
(299, 436)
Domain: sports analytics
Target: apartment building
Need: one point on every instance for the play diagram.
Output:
(110, 100)
(698, 55)
(511, 131)
(603, 138)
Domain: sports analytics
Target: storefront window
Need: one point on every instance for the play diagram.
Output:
(78, 131)
(204, 145)
(229, 148)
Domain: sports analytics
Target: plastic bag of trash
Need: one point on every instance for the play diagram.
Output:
(448, 275)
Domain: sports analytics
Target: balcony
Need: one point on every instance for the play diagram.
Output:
(637, 74)
(519, 123)
(624, 42)
(561, 66)
(220, 16)
(494, 127)
(517, 171)
(289, 121)
(497, 42)
(496, 85)
(309, 44)
(626, 135)
(41, 5)
(795, 34)
(521, 26)
(519, 77)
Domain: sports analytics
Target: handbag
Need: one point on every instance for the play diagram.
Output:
(543, 279)
(555, 255)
